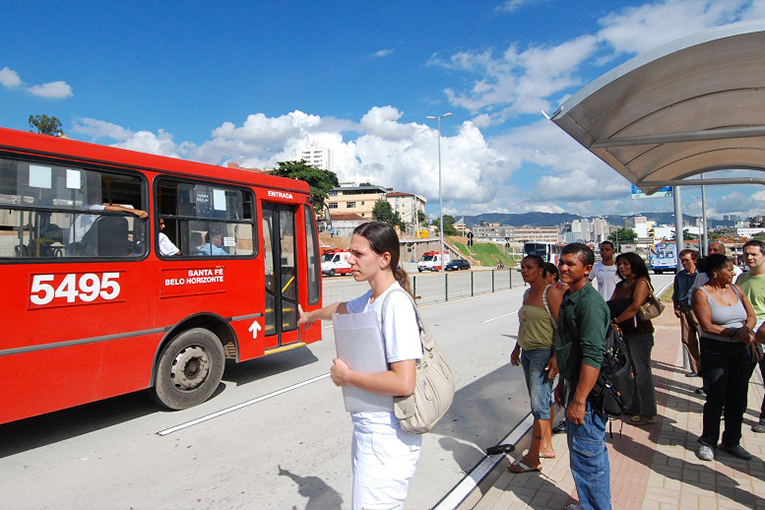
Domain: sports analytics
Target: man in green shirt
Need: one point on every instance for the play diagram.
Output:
(753, 285)
(582, 324)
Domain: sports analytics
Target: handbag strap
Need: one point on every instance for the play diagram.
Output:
(416, 314)
(545, 304)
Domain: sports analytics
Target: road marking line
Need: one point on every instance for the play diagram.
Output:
(471, 480)
(499, 317)
(239, 406)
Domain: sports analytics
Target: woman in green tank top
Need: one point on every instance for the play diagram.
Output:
(535, 351)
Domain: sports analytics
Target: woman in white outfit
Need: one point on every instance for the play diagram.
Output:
(383, 456)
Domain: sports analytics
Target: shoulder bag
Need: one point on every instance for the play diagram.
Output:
(651, 308)
(434, 386)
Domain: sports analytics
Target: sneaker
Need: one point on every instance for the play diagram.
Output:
(759, 427)
(705, 453)
(736, 451)
(574, 506)
(692, 374)
(560, 428)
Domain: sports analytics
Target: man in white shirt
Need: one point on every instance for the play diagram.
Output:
(714, 248)
(605, 271)
(166, 247)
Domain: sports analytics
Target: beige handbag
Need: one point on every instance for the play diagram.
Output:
(434, 385)
(651, 308)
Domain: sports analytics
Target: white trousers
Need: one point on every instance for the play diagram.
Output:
(383, 464)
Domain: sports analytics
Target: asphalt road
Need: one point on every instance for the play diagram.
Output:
(282, 440)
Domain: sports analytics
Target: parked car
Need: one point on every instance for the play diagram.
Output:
(457, 265)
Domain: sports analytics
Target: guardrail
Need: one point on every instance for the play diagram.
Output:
(440, 287)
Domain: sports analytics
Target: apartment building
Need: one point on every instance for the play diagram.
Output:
(537, 234)
(354, 199)
(316, 156)
(406, 205)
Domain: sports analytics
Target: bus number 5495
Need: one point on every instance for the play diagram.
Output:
(73, 288)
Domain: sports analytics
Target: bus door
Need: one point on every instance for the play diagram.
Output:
(281, 273)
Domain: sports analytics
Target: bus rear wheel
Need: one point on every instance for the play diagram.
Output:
(189, 369)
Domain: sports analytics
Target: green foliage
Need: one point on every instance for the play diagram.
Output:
(622, 236)
(383, 211)
(760, 236)
(449, 228)
(486, 254)
(320, 181)
(46, 125)
(688, 236)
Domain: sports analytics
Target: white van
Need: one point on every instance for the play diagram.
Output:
(337, 265)
(431, 261)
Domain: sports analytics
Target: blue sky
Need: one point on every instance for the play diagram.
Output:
(252, 81)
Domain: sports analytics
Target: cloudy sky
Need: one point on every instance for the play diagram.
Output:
(252, 81)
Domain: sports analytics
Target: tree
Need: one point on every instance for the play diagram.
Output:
(46, 125)
(760, 236)
(622, 236)
(449, 228)
(383, 211)
(689, 236)
(320, 181)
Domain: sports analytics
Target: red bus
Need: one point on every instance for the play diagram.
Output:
(94, 309)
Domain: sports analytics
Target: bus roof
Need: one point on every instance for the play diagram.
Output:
(35, 145)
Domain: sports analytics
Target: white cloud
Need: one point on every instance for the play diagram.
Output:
(145, 141)
(383, 122)
(52, 90)
(9, 78)
(99, 128)
(382, 53)
(512, 5)
(638, 29)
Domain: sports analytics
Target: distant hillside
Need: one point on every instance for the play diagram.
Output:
(540, 219)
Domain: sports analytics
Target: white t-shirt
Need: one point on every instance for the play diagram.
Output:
(402, 342)
(607, 277)
(166, 246)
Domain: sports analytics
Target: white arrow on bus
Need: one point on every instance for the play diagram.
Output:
(254, 329)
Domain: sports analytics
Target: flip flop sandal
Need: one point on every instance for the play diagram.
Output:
(543, 456)
(500, 449)
(514, 467)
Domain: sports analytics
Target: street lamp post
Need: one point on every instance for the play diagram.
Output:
(440, 200)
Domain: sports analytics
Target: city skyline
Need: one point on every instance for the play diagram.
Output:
(253, 83)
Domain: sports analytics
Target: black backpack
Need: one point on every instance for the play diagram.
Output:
(612, 393)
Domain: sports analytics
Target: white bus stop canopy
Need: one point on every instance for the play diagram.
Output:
(694, 105)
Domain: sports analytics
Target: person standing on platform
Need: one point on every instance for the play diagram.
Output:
(582, 324)
(605, 271)
(753, 285)
(383, 456)
(681, 299)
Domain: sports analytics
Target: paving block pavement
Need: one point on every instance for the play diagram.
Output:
(653, 467)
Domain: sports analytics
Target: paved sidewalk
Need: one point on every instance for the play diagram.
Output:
(652, 467)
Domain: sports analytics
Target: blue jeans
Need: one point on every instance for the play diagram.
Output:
(534, 362)
(589, 458)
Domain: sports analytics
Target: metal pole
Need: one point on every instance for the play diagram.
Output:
(440, 200)
(704, 239)
(446, 286)
(678, 222)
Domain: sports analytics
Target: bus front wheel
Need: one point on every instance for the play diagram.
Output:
(189, 370)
